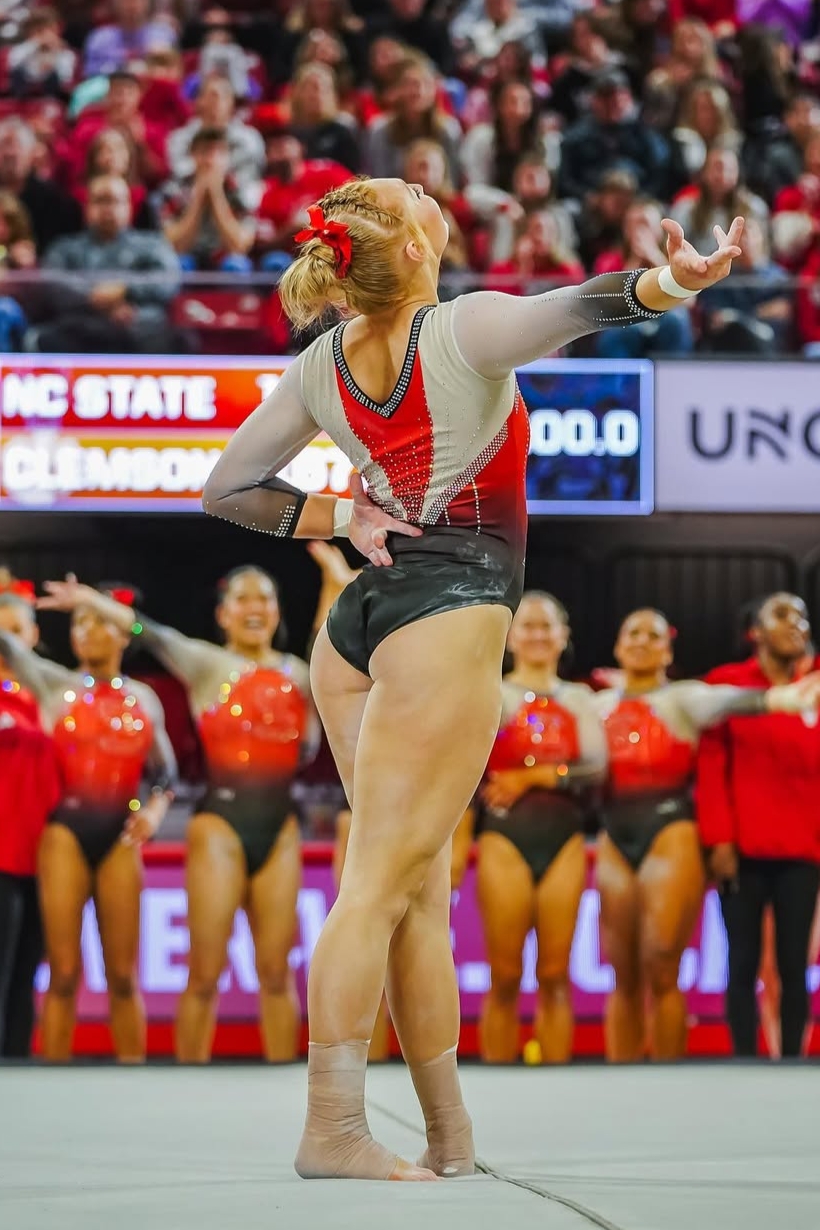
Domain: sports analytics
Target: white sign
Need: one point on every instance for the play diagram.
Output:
(737, 437)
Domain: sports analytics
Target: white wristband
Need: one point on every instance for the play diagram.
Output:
(342, 512)
(667, 283)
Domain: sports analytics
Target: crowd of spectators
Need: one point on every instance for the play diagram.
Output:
(161, 138)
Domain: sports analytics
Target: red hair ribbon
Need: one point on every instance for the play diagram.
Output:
(125, 596)
(23, 589)
(335, 234)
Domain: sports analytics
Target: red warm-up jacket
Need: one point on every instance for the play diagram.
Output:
(29, 780)
(758, 778)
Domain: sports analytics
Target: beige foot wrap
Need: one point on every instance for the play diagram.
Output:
(336, 1143)
(450, 1151)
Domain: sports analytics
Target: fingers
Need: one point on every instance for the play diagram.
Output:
(401, 527)
(378, 555)
(674, 231)
(736, 231)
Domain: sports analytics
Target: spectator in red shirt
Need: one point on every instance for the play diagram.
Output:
(797, 210)
(539, 256)
(293, 184)
(203, 217)
(121, 110)
(717, 14)
(30, 788)
(758, 791)
(163, 102)
(807, 301)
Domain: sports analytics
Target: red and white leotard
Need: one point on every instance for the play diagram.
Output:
(448, 449)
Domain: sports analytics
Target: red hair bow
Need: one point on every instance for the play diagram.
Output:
(125, 596)
(23, 589)
(335, 234)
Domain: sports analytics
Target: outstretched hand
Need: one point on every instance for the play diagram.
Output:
(370, 525)
(64, 595)
(693, 271)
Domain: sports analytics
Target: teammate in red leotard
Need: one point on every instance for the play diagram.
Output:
(109, 734)
(256, 724)
(549, 754)
(650, 868)
(423, 399)
(29, 789)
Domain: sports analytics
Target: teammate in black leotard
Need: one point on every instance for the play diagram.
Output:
(650, 868)
(548, 756)
(256, 724)
(422, 397)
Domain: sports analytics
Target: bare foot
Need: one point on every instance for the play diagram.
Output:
(354, 1156)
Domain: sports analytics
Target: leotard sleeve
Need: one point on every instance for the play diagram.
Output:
(161, 766)
(45, 680)
(496, 333)
(707, 705)
(243, 486)
(192, 661)
(590, 768)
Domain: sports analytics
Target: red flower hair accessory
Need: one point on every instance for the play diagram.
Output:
(335, 234)
(124, 596)
(23, 589)
(12, 585)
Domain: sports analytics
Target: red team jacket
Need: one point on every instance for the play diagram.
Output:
(758, 778)
(30, 784)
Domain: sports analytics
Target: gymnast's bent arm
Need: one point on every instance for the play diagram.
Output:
(243, 486)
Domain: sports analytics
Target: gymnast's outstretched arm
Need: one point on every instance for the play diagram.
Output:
(496, 333)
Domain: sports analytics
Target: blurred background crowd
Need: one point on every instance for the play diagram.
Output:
(157, 156)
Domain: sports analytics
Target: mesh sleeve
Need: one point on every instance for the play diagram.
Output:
(707, 705)
(45, 680)
(161, 765)
(192, 661)
(496, 333)
(243, 486)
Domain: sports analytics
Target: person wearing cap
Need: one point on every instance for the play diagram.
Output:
(612, 137)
